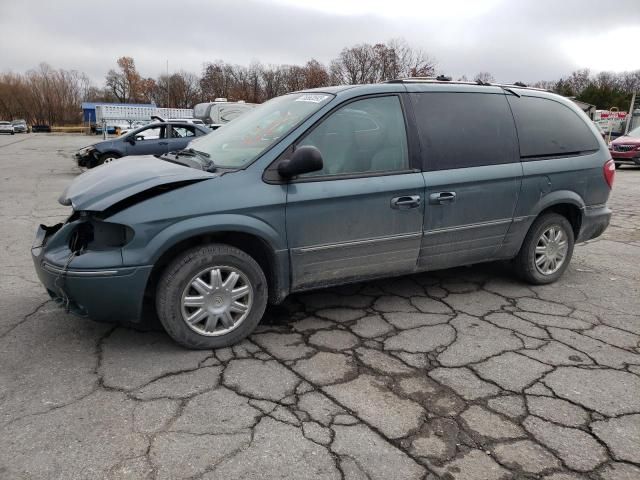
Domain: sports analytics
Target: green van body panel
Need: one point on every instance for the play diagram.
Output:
(321, 232)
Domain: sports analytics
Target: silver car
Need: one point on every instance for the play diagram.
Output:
(20, 126)
(6, 127)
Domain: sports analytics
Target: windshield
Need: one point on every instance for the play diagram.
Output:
(634, 133)
(242, 141)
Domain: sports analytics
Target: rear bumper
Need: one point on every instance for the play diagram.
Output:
(594, 222)
(103, 294)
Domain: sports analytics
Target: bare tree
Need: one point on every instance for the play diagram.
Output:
(316, 75)
(126, 84)
(484, 77)
(367, 63)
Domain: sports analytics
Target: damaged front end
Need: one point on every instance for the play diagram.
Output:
(87, 156)
(80, 262)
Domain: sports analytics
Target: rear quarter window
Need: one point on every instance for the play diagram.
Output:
(547, 128)
(464, 129)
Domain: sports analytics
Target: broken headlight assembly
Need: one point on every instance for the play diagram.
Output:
(86, 151)
(94, 234)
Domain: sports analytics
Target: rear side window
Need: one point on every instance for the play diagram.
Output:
(459, 130)
(183, 131)
(547, 128)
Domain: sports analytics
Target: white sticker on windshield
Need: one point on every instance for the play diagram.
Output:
(315, 98)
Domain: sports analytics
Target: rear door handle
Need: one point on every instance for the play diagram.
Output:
(163, 143)
(440, 198)
(405, 203)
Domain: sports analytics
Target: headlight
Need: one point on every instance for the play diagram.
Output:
(94, 234)
(86, 150)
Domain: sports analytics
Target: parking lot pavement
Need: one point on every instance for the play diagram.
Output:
(459, 374)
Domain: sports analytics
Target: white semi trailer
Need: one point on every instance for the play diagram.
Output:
(220, 111)
(136, 114)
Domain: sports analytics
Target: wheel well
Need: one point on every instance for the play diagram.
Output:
(111, 152)
(252, 245)
(570, 212)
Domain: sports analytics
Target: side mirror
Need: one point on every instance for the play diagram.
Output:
(131, 140)
(304, 160)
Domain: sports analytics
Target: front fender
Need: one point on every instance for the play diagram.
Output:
(207, 224)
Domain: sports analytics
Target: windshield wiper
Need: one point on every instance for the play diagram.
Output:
(192, 152)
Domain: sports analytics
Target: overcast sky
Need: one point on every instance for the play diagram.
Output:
(523, 40)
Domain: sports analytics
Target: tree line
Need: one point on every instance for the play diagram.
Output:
(53, 96)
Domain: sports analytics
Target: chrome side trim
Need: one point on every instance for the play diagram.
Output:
(356, 243)
(493, 223)
(596, 207)
(78, 273)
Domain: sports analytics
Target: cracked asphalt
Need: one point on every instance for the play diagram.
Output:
(458, 374)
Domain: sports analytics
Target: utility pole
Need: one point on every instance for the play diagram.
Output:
(167, 83)
(630, 113)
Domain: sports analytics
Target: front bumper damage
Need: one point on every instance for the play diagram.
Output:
(91, 284)
(86, 159)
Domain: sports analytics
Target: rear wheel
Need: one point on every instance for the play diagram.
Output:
(211, 296)
(546, 250)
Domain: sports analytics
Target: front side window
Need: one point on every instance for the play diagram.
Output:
(547, 128)
(464, 129)
(365, 136)
(150, 133)
(240, 142)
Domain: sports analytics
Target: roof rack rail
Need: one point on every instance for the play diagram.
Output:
(442, 78)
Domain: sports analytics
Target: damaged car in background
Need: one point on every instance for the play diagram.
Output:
(152, 139)
(326, 187)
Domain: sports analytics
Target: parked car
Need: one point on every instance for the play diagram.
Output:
(41, 128)
(327, 187)
(6, 127)
(20, 126)
(625, 150)
(138, 124)
(152, 139)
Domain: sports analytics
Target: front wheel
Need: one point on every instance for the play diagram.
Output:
(546, 250)
(211, 296)
(107, 158)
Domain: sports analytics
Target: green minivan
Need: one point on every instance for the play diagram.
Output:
(326, 187)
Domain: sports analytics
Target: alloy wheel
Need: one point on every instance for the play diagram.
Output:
(551, 250)
(217, 300)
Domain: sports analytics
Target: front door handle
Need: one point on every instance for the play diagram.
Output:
(163, 143)
(440, 198)
(405, 203)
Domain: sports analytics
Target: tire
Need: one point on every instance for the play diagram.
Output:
(176, 284)
(525, 261)
(107, 157)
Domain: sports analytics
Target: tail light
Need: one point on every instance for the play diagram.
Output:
(609, 171)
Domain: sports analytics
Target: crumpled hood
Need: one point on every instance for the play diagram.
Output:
(626, 140)
(99, 188)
